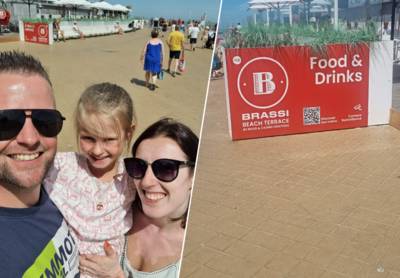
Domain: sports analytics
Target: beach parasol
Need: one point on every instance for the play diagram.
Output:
(119, 7)
(73, 4)
(273, 4)
(103, 6)
(259, 8)
(321, 2)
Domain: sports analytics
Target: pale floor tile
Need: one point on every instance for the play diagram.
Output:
(299, 250)
(234, 266)
(331, 274)
(347, 266)
(250, 252)
(206, 272)
(322, 257)
(266, 240)
(323, 205)
(221, 242)
(394, 275)
(190, 267)
(283, 263)
(268, 273)
(305, 269)
(203, 254)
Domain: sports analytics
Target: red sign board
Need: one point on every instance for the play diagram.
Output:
(36, 32)
(287, 90)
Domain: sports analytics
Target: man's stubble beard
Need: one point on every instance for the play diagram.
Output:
(11, 182)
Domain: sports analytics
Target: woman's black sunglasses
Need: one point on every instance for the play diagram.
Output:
(48, 122)
(165, 170)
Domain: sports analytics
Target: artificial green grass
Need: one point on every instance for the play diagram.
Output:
(256, 36)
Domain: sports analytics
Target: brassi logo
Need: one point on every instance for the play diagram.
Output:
(43, 30)
(262, 82)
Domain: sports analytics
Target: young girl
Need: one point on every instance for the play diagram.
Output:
(91, 188)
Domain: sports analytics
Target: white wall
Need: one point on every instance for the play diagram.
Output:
(380, 82)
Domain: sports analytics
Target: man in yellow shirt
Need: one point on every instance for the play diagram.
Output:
(176, 48)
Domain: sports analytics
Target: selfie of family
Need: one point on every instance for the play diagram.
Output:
(113, 208)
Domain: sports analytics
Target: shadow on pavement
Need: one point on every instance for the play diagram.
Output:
(138, 82)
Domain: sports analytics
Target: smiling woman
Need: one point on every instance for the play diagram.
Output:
(162, 167)
(172, 149)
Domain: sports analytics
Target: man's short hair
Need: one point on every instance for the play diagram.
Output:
(19, 62)
(154, 33)
(177, 28)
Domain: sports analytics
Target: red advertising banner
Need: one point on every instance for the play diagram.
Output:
(288, 90)
(36, 32)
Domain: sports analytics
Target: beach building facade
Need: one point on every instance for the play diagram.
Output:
(66, 9)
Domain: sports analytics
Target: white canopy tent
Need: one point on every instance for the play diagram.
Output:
(318, 9)
(100, 6)
(75, 4)
(119, 7)
(103, 6)
(267, 5)
(275, 4)
(259, 8)
(321, 2)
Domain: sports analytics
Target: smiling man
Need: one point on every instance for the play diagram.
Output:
(35, 240)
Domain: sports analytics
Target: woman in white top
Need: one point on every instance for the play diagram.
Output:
(162, 167)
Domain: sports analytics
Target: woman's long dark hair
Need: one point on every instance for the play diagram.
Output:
(186, 139)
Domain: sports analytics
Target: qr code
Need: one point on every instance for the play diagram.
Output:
(311, 115)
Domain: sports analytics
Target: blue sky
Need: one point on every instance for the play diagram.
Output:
(184, 9)
(234, 11)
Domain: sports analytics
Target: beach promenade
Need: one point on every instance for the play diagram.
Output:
(76, 64)
(321, 205)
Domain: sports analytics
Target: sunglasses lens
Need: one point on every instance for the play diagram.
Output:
(48, 122)
(135, 167)
(11, 123)
(165, 169)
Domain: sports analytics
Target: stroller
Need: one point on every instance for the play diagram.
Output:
(210, 40)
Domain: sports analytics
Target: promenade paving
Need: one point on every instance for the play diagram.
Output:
(77, 64)
(323, 205)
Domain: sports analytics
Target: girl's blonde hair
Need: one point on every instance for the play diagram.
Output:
(105, 102)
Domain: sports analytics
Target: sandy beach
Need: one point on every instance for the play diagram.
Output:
(76, 64)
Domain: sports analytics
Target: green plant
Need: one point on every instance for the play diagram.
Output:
(254, 36)
(37, 20)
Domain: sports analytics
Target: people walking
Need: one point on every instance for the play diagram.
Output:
(176, 48)
(193, 34)
(152, 56)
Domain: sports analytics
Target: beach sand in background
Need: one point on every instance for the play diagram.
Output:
(77, 64)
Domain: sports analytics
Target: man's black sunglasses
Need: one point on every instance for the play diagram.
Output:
(48, 122)
(165, 170)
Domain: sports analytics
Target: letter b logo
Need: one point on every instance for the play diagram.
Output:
(263, 84)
